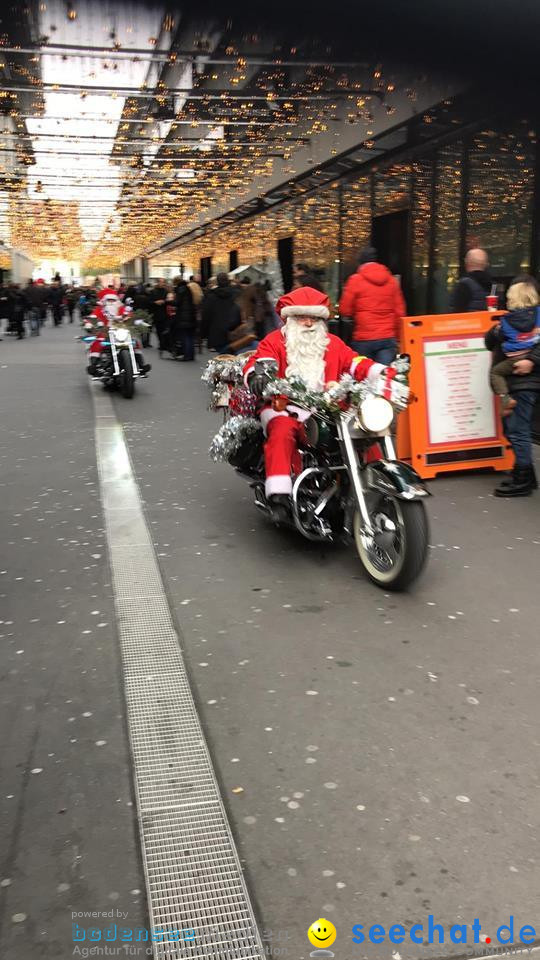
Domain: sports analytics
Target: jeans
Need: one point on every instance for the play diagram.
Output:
(247, 348)
(187, 340)
(383, 351)
(517, 426)
(35, 321)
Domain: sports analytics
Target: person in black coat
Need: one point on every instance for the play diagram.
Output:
(471, 290)
(55, 298)
(6, 307)
(19, 307)
(159, 312)
(185, 319)
(220, 314)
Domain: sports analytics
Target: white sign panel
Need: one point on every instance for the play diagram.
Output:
(460, 405)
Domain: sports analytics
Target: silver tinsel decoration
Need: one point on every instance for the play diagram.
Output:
(224, 370)
(220, 373)
(347, 391)
(231, 436)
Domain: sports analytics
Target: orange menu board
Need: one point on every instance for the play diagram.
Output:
(453, 423)
(461, 406)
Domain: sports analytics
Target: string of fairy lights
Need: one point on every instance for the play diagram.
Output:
(243, 112)
(178, 147)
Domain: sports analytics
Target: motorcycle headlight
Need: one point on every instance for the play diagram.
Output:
(121, 336)
(376, 414)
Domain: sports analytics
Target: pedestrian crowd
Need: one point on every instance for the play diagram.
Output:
(25, 307)
(230, 315)
(233, 315)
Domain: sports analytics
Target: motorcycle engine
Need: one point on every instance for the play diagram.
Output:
(105, 365)
(318, 511)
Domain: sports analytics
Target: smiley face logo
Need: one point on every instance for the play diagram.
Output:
(322, 933)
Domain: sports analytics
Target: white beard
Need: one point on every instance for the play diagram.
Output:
(111, 309)
(306, 348)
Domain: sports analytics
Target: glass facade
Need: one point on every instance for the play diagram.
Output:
(424, 212)
(422, 193)
(447, 216)
(501, 170)
(356, 221)
(392, 189)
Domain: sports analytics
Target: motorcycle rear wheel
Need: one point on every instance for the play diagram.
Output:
(395, 566)
(127, 380)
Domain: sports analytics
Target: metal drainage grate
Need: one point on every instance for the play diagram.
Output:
(193, 875)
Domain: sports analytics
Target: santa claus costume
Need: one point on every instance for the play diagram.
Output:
(303, 349)
(109, 308)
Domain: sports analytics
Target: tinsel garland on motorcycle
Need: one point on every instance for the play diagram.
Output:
(348, 392)
(136, 325)
(220, 374)
(228, 370)
(232, 435)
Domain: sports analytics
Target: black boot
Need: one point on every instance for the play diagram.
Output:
(280, 504)
(508, 481)
(521, 483)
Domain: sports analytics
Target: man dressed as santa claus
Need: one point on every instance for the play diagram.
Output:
(110, 309)
(303, 349)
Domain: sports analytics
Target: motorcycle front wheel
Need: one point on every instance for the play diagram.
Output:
(396, 555)
(127, 380)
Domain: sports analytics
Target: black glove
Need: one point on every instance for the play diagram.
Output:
(257, 383)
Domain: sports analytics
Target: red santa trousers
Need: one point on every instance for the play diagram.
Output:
(281, 457)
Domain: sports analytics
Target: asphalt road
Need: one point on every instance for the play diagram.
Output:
(68, 832)
(386, 744)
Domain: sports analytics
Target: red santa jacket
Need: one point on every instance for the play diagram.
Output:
(338, 358)
(101, 315)
(373, 298)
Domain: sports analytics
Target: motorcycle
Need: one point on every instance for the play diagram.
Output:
(351, 485)
(116, 364)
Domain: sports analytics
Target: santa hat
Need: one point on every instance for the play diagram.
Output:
(108, 293)
(304, 302)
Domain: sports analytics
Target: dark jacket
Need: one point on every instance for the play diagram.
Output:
(256, 309)
(36, 294)
(19, 302)
(220, 314)
(139, 294)
(186, 315)
(72, 296)
(6, 304)
(158, 309)
(529, 381)
(471, 291)
(55, 295)
(310, 280)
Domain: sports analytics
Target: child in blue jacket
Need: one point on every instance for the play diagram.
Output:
(519, 333)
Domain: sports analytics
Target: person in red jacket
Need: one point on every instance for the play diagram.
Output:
(373, 298)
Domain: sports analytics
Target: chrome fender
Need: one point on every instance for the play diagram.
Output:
(396, 479)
